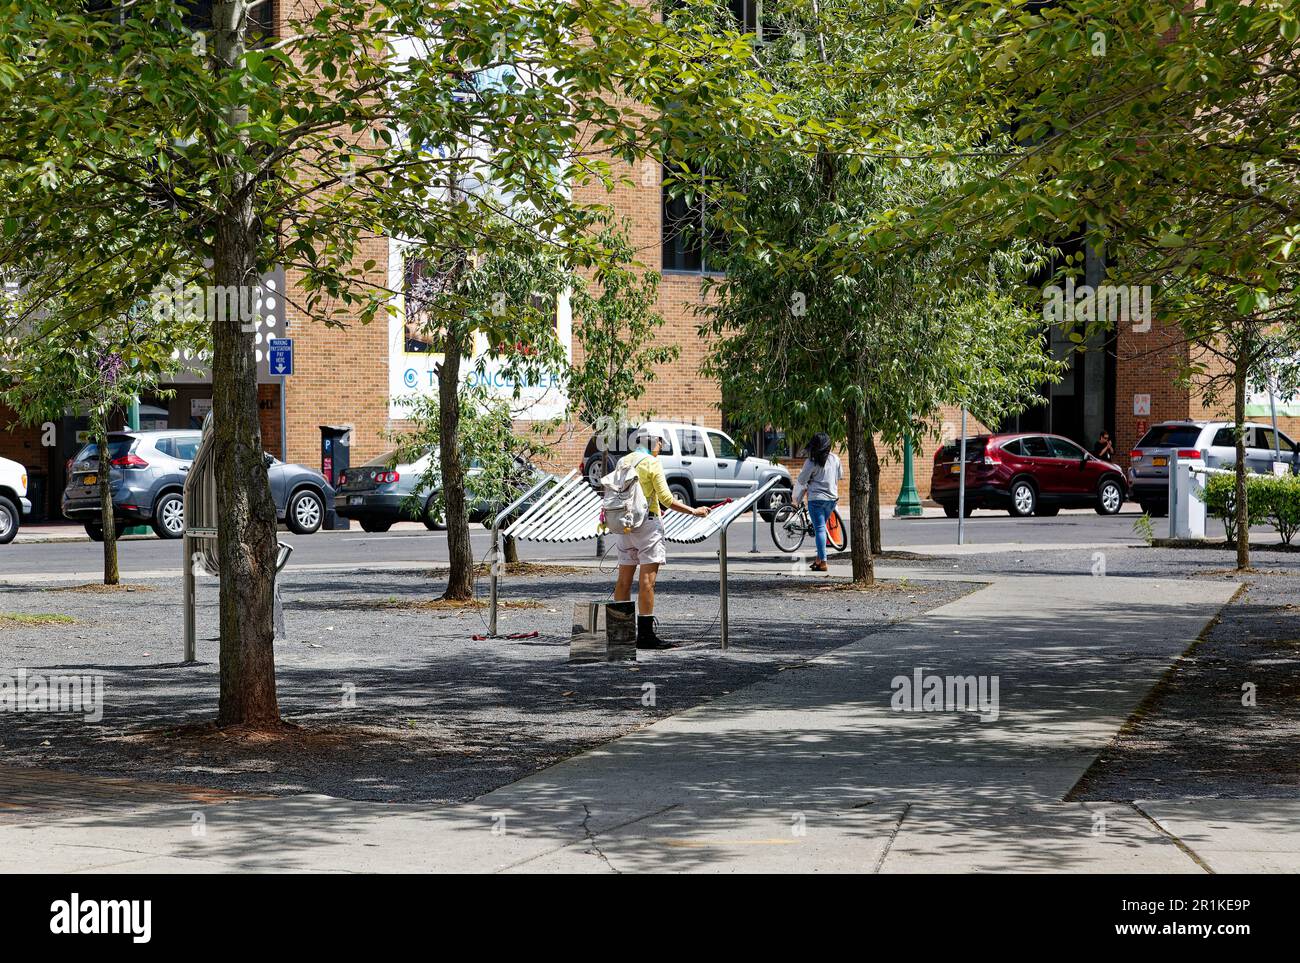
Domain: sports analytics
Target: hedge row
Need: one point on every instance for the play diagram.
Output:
(1269, 498)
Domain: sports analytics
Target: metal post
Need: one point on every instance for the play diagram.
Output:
(961, 484)
(496, 543)
(492, 581)
(187, 597)
(908, 503)
(1173, 493)
(753, 529)
(722, 583)
(1272, 408)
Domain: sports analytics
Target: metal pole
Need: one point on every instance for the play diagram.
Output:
(187, 596)
(492, 617)
(284, 420)
(496, 542)
(753, 529)
(961, 484)
(1272, 408)
(722, 583)
(1173, 493)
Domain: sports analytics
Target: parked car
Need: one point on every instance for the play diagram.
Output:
(147, 477)
(703, 465)
(1209, 443)
(13, 499)
(1027, 474)
(378, 492)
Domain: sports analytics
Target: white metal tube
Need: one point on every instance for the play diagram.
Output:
(961, 484)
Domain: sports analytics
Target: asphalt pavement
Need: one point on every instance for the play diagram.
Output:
(411, 544)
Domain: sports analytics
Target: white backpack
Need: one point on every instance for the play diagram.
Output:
(623, 504)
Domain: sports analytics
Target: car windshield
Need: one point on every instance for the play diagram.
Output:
(387, 460)
(1170, 436)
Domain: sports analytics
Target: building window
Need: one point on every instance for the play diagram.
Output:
(690, 243)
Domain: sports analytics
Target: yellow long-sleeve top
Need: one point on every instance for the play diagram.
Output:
(653, 481)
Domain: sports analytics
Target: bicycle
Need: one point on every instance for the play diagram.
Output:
(791, 525)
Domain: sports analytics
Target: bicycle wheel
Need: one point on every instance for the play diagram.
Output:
(837, 533)
(788, 530)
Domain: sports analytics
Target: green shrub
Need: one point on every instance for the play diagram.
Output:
(1282, 503)
(1221, 501)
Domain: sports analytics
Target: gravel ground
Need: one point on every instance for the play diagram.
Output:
(1194, 737)
(396, 703)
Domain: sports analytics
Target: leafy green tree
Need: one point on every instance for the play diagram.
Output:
(98, 372)
(616, 330)
(815, 328)
(1161, 135)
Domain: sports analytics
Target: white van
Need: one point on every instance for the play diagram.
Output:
(13, 499)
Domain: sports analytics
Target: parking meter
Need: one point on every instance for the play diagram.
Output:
(335, 459)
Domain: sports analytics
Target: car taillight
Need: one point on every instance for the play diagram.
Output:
(991, 458)
(129, 461)
(1188, 453)
(343, 479)
(387, 477)
(1135, 455)
(68, 467)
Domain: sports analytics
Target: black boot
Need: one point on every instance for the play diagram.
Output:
(645, 634)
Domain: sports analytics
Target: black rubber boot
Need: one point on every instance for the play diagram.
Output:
(645, 634)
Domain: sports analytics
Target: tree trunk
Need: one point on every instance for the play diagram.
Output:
(873, 509)
(106, 516)
(246, 533)
(859, 498)
(1241, 506)
(511, 551)
(460, 580)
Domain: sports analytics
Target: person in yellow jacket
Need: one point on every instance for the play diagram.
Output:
(643, 546)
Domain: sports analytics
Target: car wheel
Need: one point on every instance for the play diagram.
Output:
(777, 499)
(169, 516)
(681, 493)
(306, 513)
(374, 525)
(434, 523)
(1110, 497)
(597, 468)
(1023, 499)
(9, 520)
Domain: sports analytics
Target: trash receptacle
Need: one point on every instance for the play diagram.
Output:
(335, 459)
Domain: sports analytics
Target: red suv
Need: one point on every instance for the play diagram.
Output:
(1027, 474)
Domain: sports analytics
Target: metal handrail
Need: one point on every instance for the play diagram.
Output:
(496, 541)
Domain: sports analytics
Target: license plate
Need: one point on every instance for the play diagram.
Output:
(955, 469)
(91, 480)
(355, 500)
(1159, 462)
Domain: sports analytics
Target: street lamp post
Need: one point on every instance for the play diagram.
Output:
(908, 504)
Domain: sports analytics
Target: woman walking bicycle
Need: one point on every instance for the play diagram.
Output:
(819, 480)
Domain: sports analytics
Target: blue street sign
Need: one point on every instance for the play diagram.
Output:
(281, 356)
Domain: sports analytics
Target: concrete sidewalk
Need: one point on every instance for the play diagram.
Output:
(808, 771)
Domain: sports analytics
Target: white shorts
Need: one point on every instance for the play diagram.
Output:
(643, 545)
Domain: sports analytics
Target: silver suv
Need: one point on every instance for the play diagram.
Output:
(147, 474)
(703, 465)
(1209, 443)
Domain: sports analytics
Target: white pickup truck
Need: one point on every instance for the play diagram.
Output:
(13, 499)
